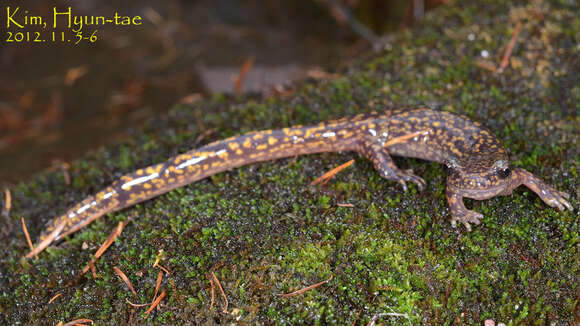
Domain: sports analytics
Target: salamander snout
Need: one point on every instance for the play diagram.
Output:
(481, 184)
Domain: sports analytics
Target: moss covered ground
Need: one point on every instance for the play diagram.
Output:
(393, 257)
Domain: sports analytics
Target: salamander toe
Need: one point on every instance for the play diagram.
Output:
(408, 175)
(467, 218)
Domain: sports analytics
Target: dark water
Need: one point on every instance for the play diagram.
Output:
(59, 99)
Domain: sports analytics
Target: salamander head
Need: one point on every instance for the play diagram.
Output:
(481, 178)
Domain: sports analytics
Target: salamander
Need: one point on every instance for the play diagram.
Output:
(477, 164)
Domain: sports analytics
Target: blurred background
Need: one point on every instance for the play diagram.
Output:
(59, 100)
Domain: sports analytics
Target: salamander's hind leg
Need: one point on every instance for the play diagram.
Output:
(384, 164)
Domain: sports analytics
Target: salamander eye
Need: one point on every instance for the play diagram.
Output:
(448, 168)
(504, 173)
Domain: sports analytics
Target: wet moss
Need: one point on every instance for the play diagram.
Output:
(265, 232)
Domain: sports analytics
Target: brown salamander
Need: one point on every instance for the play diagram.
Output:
(478, 165)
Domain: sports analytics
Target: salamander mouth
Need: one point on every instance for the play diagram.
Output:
(479, 194)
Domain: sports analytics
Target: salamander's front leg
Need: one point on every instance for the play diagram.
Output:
(384, 164)
(549, 195)
(459, 212)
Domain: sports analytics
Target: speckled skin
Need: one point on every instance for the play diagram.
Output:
(477, 163)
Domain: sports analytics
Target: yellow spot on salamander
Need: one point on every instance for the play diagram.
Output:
(312, 131)
(347, 135)
(258, 135)
(137, 195)
(239, 152)
(272, 141)
(292, 132)
(247, 143)
(234, 146)
(262, 147)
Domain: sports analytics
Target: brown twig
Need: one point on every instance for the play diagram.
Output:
(7, 202)
(239, 80)
(64, 168)
(157, 260)
(54, 298)
(487, 66)
(93, 269)
(308, 288)
(25, 229)
(136, 305)
(79, 322)
(212, 294)
(344, 205)
(110, 239)
(47, 241)
(191, 98)
(73, 74)
(510, 47)
(157, 285)
(328, 175)
(114, 234)
(154, 304)
(125, 279)
(221, 291)
(164, 269)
